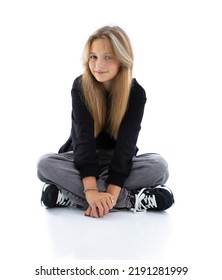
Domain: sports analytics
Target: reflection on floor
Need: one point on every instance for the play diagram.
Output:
(119, 235)
(181, 235)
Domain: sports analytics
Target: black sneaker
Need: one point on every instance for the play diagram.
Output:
(52, 197)
(157, 199)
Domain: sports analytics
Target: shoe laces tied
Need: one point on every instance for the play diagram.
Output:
(144, 201)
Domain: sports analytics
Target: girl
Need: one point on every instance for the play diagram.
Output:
(97, 169)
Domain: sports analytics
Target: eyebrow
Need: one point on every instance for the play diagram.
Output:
(104, 53)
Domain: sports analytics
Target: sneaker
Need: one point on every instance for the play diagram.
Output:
(53, 197)
(157, 199)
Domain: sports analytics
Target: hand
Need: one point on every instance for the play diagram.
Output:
(114, 190)
(99, 203)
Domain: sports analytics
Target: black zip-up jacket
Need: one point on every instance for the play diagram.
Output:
(84, 144)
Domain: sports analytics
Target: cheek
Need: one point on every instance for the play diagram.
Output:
(116, 69)
(90, 66)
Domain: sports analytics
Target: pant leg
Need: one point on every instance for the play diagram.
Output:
(148, 170)
(59, 169)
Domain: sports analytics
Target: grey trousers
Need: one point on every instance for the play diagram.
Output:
(148, 170)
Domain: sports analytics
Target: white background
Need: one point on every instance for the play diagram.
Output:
(178, 60)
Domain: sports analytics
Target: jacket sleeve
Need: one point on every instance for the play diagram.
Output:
(125, 148)
(82, 134)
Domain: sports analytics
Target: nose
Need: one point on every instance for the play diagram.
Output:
(100, 63)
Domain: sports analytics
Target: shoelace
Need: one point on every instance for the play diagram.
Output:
(64, 201)
(143, 202)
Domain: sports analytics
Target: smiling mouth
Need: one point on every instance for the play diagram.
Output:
(100, 72)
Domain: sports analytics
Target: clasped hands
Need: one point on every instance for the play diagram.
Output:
(100, 203)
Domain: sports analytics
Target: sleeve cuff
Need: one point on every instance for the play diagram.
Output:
(88, 171)
(116, 179)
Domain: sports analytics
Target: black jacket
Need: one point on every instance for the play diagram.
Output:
(84, 145)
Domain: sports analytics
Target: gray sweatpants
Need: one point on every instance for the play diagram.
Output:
(148, 170)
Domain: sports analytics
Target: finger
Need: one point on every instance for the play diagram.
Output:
(94, 212)
(106, 208)
(111, 198)
(100, 210)
(110, 203)
(88, 211)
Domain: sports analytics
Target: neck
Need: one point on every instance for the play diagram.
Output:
(107, 86)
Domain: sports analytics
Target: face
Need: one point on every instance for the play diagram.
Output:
(103, 64)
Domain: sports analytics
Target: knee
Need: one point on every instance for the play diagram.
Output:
(162, 167)
(44, 164)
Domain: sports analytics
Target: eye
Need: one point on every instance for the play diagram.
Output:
(108, 57)
(93, 57)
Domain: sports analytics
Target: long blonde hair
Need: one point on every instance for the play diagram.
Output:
(108, 113)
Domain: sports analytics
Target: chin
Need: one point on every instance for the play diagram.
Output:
(100, 79)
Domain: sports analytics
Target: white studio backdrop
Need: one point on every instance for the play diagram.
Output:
(178, 58)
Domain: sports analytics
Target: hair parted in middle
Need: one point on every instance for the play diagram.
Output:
(108, 114)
